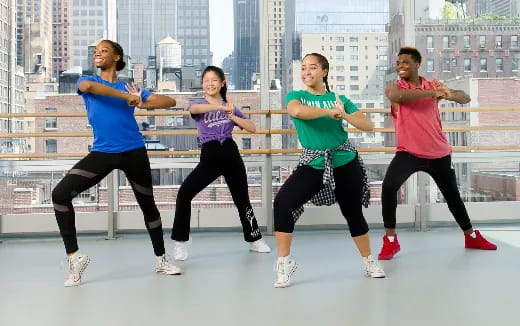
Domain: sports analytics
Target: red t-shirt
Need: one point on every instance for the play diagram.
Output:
(418, 125)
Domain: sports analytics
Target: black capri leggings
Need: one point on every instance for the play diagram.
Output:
(90, 171)
(216, 159)
(306, 181)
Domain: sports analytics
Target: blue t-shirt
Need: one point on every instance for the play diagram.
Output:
(112, 120)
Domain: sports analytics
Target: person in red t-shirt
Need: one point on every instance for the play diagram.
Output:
(421, 146)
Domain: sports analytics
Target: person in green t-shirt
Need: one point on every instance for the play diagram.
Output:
(328, 160)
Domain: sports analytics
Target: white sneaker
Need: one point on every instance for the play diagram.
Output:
(163, 266)
(76, 266)
(180, 249)
(371, 268)
(285, 267)
(260, 246)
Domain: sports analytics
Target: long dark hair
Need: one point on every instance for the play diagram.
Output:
(220, 74)
(120, 65)
(324, 63)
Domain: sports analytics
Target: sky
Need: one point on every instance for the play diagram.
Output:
(221, 29)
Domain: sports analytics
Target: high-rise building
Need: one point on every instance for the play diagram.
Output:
(61, 22)
(247, 42)
(89, 24)
(11, 80)
(192, 31)
(34, 39)
(506, 8)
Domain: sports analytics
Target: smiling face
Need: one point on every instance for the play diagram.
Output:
(407, 67)
(312, 72)
(211, 83)
(104, 56)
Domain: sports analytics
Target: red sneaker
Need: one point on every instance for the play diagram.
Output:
(390, 249)
(479, 242)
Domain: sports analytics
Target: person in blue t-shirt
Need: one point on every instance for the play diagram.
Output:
(118, 144)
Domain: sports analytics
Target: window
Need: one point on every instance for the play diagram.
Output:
(340, 48)
(353, 39)
(340, 68)
(246, 143)
(354, 77)
(430, 65)
(429, 42)
(515, 62)
(340, 78)
(499, 64)
(341, 87)
(354, 58)
(340, 39)
(445, 42)
(51, 122)
(354, 68)
(482, 41)
(354, 49)
(370, 105)
(340, 58)
(467, 64)
(514, 41)
(354, 87)
(51, 146)
(446, 65)
(483, 64)
(498, 41)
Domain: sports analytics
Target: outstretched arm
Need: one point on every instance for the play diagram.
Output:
(397, 95)
(304, 112)
(88, 86)
(454, 95)
(154, 101)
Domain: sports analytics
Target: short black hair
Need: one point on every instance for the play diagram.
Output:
(413, 52)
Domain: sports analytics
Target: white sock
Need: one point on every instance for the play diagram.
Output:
(367, 258)
(391, 238)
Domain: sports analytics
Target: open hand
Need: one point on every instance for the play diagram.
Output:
(337, 110)
(135, 95)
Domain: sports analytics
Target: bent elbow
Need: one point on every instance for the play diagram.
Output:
(85, 86)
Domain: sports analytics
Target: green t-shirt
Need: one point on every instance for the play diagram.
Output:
(324, 132)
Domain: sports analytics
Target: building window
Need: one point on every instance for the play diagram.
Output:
(498, 41)
(354, 68)
(354, 58)
(341, 87)
(482, 41)
(340, 68)
(354, 49)
(430, 65)
(483, 64)
(499, 64)
(51, 122)
(340, 58)
(246, 143)
(51, 146)
(354, 77)
(353, 39)
(354, 87)
(445, 42)
(370, 105)
(340, 48)
(446, 65)
(429, 42)
(514, 41)
(340, 78)
(340, 39)
(467, 64)
(515, 62)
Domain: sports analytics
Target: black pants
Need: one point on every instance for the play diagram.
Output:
(216, 159)
(306, 181)
(90, 171)
(402, 166)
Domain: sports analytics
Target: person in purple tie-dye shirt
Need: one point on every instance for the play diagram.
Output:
(216, 116)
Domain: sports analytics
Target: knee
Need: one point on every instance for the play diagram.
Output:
(59, 195)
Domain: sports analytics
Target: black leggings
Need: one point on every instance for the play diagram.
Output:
(216, 159)
(306, 181)
(90, 171)
(405, 164)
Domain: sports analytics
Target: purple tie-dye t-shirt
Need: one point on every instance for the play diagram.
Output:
(215, 125)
